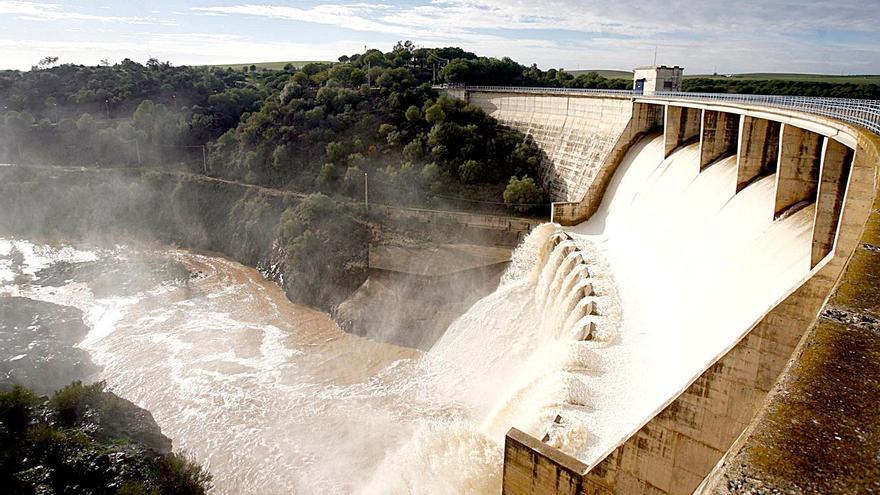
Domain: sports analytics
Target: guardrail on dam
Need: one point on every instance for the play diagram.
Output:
(822, 151)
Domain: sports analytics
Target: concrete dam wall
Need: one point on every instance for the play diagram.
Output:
(578, 135)
(719, 230)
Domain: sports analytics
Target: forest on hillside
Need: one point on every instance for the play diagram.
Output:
(318, 127)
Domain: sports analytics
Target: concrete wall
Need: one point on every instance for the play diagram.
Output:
(719, 136)
(758, 150)
(583, 139)
(681, 125)
(576, 133)
(673, 451)
(837, 162)
(530, 466)
(800, 157)
(645, 118)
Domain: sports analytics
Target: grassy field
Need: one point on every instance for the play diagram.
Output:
(770, 76)
(760, 76)
(270, 65)
(606, 73)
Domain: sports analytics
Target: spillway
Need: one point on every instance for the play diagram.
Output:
(595, 328)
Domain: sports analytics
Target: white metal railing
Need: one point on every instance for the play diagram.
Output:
(539, 90)
(865, 113)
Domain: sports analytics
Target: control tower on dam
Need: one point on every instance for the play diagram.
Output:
(741, 236)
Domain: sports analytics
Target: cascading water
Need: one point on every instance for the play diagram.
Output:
(603, 327)
(599, 324)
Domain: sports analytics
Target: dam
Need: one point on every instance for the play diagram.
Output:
(700, 316)
(701, 237)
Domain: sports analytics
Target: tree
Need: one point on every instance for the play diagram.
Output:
(86, 123)
(353, 179)
(435, 114)
(282, 157)
(413, 113)
(334, 151)
(523, 194)
(385, 130)
(291, 90)
(45, 63)
(327, 174)
(415, 150)
(430, 175)
(470, 172)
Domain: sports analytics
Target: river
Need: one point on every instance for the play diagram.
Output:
(272, 397)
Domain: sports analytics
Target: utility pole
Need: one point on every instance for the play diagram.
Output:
(434, 58)
(137, 148)
(366, 194)
(205, 159)
(655, 55)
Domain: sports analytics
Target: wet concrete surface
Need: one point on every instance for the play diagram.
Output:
(820, 432)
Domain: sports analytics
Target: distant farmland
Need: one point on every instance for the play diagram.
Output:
(770, 76)
(270, 65)
(606, 73)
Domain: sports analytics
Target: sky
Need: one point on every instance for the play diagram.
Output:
(727, 36)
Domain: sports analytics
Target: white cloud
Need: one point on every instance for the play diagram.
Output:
(746, 35)
(351, 16)
(625, 17)
(181, 48)
(742, 35)
(34, 11)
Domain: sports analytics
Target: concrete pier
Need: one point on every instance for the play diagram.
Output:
(681, 125)
(758, 149)
(532, 467)
(719, 137)
(800, 158)
(836, 163)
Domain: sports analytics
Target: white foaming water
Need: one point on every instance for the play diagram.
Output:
(274, 398)
(679, 268)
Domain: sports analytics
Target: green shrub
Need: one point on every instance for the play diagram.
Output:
(470, 172)
(523, 195)
(16, 407)
(181, 475)
(327, 174)
(71, 401)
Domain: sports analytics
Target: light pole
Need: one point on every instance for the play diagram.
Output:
(366, 195)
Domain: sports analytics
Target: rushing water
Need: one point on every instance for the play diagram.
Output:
(271, 396)
(599, 326)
